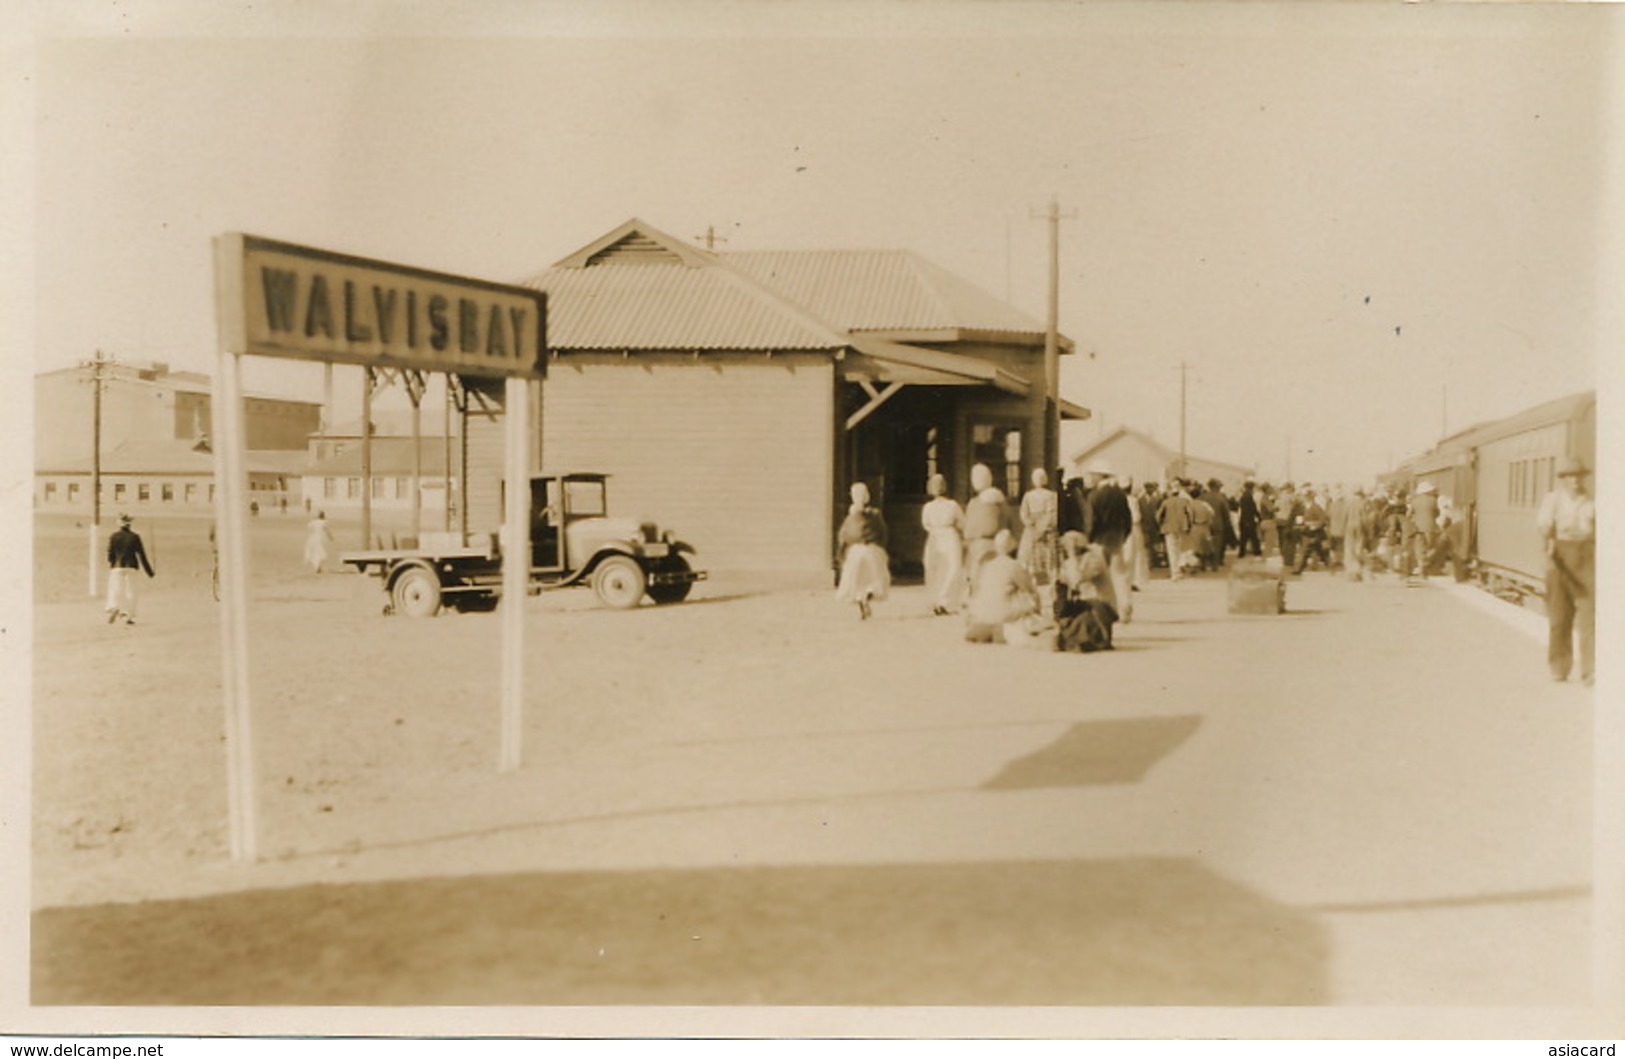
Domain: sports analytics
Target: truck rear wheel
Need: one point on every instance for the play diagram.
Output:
(416, 593)
(619, 582)
(672, 591)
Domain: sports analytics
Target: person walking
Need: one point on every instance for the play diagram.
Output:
(1111, 521)
(1567, 521)
(1422, 514)
(317, 538)
(1247, 512)
(1136, 552)
(865, 576)
(944, 523)
(1174, 520)
(125, 556)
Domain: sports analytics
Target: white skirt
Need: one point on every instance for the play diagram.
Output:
(864, 574)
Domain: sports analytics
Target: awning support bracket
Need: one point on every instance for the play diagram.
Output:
(877, 397)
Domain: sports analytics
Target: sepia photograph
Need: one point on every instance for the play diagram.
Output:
(856, 519)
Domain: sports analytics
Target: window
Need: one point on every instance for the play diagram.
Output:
(378, 487)
(118, 491)
(191, 492)
(916, 448)
(168, 493)
(1000, 448)
(73, 491)
(143, 492)
(50, 490)
(352, 488)
(403, 488)
(585, 498)
(330, 488)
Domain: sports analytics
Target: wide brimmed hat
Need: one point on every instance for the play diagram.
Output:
(1571, 467)
(125, 520)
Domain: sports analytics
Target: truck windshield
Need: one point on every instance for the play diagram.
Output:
(585, 498)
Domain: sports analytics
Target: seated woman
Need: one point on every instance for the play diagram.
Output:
(1001, 593)
(1084, 617)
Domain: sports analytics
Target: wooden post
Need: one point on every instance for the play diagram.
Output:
(366, 458)
(515, 569)
(231, 499)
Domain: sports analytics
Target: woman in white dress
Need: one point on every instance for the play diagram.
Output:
(317, 538)
(944, 523)
(865, 575)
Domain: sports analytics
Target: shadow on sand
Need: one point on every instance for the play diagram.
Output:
(1136, 931)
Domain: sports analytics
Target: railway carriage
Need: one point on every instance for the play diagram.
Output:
(1498, 472)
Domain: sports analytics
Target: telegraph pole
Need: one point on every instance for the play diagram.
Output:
(711, 238)
(1052, 338)
(97, 367)
(1183, 369)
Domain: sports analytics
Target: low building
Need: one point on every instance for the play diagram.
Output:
(155, 457)
(1137, 455)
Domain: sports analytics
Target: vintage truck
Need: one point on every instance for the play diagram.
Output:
(574, 541)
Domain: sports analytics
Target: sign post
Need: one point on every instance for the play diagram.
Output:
(279, 299)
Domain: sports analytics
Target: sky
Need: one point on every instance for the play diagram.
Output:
(1357, 226)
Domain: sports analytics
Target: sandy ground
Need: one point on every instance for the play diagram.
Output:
(755, 798)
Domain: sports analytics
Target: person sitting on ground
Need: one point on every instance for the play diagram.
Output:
(1002, 592)
(1083, 615)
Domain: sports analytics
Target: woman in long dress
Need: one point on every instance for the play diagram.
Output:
(1040, 511)
(986, 513)
(943, 521)
(317, 538)
(865, 575)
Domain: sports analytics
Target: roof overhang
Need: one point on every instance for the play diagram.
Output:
(1074, 412)
(885, 361)
(964, 334)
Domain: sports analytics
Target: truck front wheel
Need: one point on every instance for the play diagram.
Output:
(416, 593)
(619, 582)
(672, 591)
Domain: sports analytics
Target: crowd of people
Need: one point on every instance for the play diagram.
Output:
(1060, 567)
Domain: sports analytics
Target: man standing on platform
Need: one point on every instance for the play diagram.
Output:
(1110, 522)
(1567, 521)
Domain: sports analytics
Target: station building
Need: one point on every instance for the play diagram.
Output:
(735, 396)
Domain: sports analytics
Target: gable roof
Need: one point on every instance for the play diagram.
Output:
(1166, 454)
(639, 288)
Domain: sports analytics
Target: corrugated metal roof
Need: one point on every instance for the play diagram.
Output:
(613, 306)
(880, 290)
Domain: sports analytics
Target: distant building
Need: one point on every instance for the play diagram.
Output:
(332, 477)
(1132, 454)
(155, 449)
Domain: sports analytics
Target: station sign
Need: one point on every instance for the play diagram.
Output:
(284, 300)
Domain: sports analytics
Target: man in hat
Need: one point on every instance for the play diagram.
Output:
(1567, 521)
(1111, 521)
(125, 556)
(1423, 528)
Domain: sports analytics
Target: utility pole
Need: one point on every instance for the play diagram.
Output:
(1052, 339)
(1183, 369)
(97, 382)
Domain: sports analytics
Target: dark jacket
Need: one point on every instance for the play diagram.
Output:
(124, 551)
(1110, 520)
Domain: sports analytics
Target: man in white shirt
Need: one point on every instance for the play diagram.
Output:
(1567, 521)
